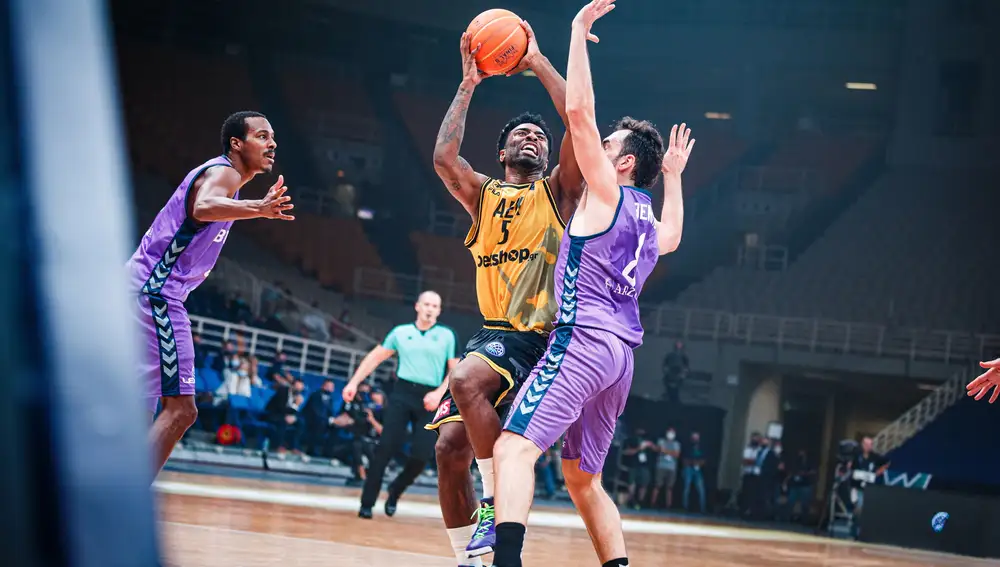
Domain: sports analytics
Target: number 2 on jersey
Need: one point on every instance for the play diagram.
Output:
(629, 272)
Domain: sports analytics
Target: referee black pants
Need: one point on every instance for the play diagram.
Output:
(405, 406)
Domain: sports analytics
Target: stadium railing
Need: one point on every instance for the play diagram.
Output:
(304, 355)
(814, 335)
(251, 287)
(923, 413)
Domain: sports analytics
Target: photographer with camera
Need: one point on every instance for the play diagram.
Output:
(426, 353)
(363, 417)
(865, 468)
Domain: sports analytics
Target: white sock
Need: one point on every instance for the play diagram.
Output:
(459, 541)
(486, 471)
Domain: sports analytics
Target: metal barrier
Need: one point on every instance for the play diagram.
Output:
(236, 278)
(814, 335)
(304, 355)
(920, 415)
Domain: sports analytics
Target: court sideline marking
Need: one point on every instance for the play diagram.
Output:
(360, 548)
(426, 510)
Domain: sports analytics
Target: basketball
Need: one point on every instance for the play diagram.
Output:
(503, 40)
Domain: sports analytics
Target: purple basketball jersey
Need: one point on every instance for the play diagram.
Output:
(176, 255)
(599, 277)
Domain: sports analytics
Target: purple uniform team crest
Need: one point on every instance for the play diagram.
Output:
(173, 258)
(582, 390)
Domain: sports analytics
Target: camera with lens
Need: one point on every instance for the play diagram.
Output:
(847, 450)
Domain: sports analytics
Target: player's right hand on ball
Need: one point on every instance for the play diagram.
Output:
(349, 392)
(470, 72)
(276, 203)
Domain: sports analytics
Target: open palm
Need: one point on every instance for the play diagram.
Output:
(989, 380)
(678, 150)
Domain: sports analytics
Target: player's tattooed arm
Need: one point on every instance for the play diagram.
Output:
(566, 180)
(462, 181)
(213, 199)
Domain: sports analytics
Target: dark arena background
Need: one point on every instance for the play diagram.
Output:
(835, 288)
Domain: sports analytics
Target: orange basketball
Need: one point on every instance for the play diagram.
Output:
(503, 40)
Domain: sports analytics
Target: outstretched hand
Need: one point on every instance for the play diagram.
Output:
(989, 380)
(590, 13)
(678, 150)
(276, 203)
(470, 71)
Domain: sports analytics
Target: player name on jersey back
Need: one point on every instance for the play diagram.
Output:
(600, 277)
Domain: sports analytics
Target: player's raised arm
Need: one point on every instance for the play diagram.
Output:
(602, 181)
(214, 200)
(463, 182)
(668, 233)
(566, 179)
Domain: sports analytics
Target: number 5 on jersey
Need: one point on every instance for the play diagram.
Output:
(506, 233)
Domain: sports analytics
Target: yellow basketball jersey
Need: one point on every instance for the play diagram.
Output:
(515, 243)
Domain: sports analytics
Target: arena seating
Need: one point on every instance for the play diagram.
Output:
(248, 413)
(444, 253)
(333, 111)
(175, 102)
(911, 252)
(328, 248)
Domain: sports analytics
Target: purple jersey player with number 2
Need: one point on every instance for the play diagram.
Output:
(609, 248)
(177, 253)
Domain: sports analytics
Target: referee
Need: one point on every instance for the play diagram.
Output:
(426, 353)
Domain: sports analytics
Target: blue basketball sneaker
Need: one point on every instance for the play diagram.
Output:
(486, 535)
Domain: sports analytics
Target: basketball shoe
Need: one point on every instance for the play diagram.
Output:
(486, 536)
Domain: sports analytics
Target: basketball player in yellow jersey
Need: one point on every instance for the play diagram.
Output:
(518, 222)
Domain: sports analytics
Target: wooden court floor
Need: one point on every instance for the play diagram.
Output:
(210, 521)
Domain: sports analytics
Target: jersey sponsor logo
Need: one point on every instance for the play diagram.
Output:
(443, 410)
(495, 348)
(222, 236)
(505, 257)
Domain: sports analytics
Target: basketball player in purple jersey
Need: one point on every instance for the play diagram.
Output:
(177, 253)
(609, 248)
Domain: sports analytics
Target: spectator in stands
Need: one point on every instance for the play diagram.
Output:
(315, 324)
(640, 453)
(675, 370)
(665, 475)
(237, 309)
(288, 315)
(866, 467)
(282, 411)
(694, 463)
(225, 358)
(269, 299)
(341, 328)
(200, 353)
(801, 477)
(544, 471)
(319, 418)
(235, 382)
(612, 473)
(278, 373)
